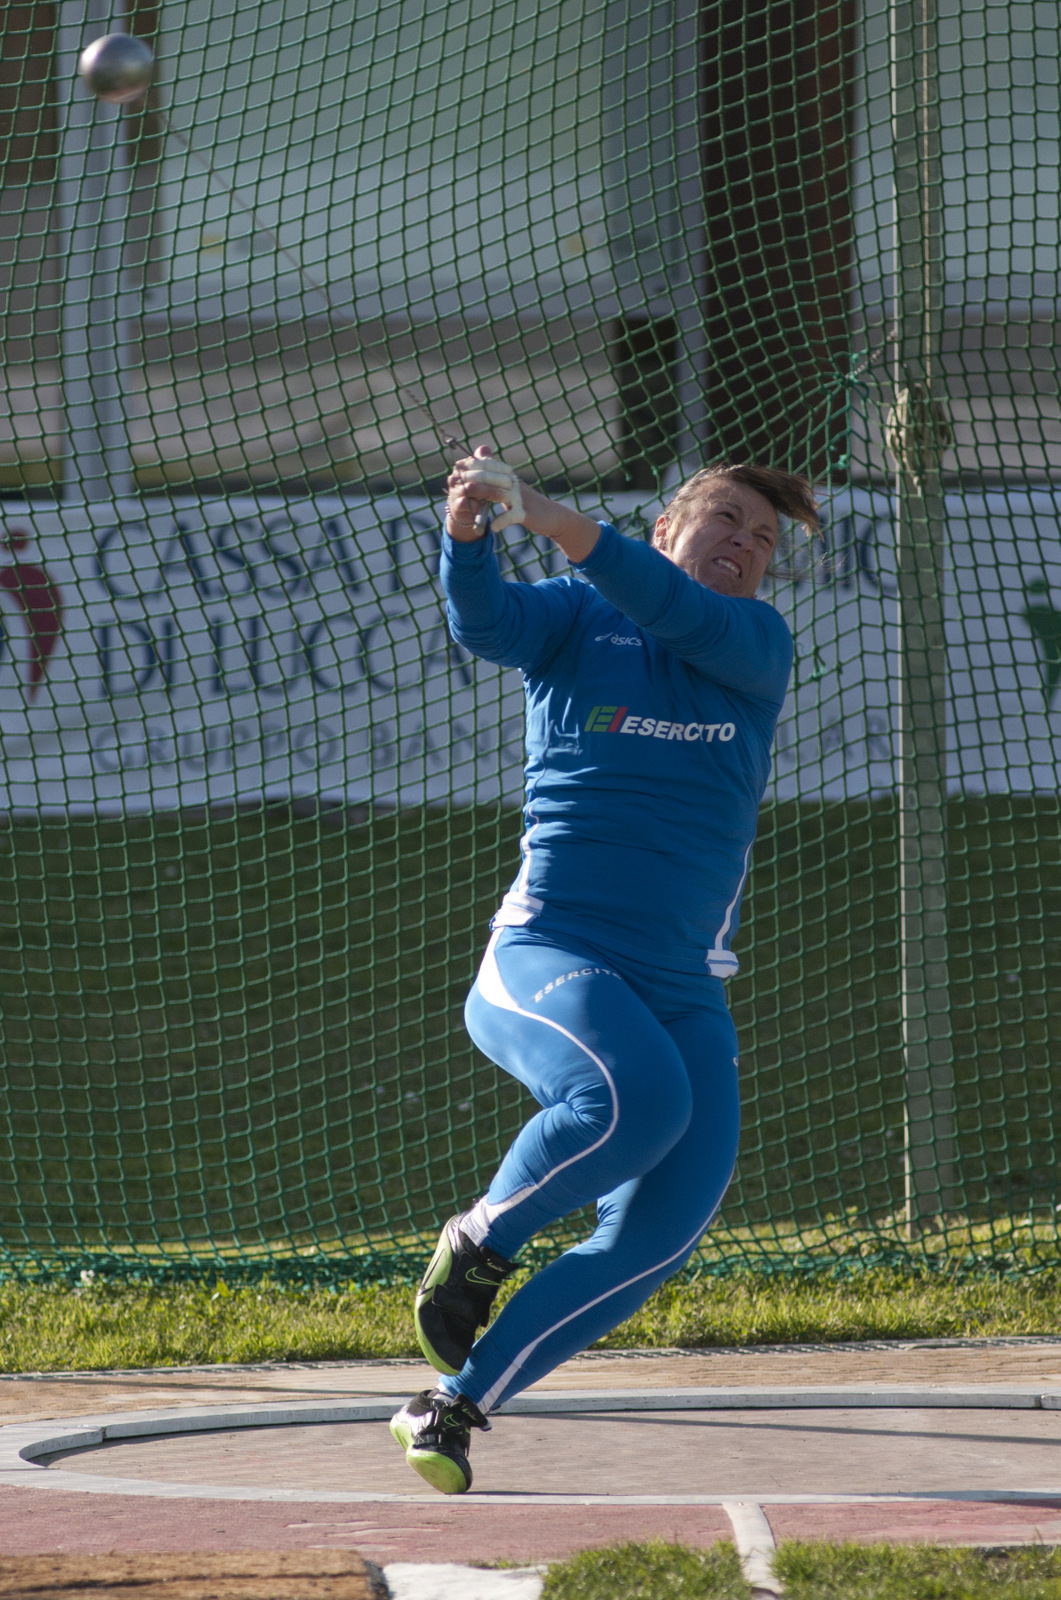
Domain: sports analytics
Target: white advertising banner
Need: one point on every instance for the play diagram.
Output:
(156, 656)
(1002, 601)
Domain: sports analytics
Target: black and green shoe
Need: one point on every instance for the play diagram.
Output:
(434, 1430)
(455, 1297)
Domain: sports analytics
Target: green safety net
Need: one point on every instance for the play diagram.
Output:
(257, 808)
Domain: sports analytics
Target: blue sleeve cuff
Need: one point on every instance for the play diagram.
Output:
(470, 552)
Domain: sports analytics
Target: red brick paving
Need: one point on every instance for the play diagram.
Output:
(928, 1522)
(33, 1521)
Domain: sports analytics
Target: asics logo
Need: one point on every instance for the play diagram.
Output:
(617, 638)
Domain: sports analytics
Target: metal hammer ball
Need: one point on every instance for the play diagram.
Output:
(118, 68)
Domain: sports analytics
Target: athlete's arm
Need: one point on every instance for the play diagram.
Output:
(742, 644)
(514, 624)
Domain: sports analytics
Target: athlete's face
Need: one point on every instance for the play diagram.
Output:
(724, 538)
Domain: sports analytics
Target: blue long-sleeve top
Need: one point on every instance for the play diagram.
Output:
(651, 708)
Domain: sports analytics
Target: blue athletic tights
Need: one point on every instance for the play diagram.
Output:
(636, 1073)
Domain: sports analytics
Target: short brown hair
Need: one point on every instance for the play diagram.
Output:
(789, 494)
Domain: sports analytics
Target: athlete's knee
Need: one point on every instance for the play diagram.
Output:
(594, 1105)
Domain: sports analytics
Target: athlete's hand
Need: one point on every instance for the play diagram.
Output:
(476, 484)
(483, 480)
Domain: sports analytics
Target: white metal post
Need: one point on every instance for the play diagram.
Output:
(93, 204)
(653, 188)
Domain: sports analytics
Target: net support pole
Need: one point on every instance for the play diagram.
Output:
(688, 276)
(653, 191)
(917, 437)
(93, 205)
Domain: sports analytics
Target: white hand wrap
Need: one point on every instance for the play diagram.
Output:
(506, 489)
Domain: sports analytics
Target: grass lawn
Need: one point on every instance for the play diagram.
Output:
(124, 1325)
(809, 1572)
(653, 1571)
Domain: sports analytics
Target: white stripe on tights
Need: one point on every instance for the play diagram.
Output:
(490, 1397)
(491, 986)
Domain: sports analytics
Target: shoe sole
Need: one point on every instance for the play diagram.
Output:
(437, 1272)
(439, 1471)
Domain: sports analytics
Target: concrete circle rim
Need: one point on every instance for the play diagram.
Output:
(22, 1445)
